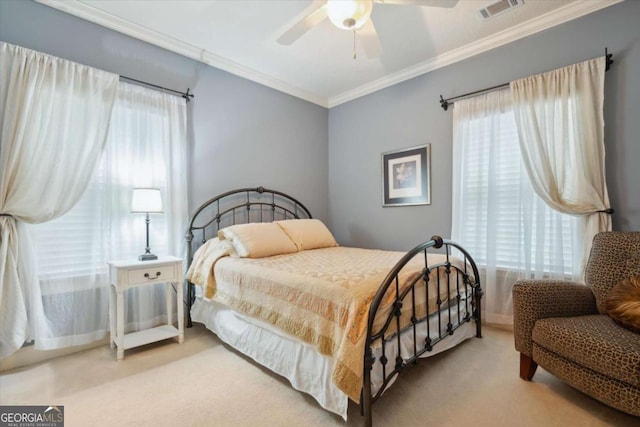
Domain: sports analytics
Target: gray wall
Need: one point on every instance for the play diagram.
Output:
(241, 133)
(244, 134)
(408, 114)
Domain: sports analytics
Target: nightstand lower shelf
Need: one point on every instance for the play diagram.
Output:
(136, 339)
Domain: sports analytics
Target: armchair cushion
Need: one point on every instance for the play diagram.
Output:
(595, 342)
(623, 303)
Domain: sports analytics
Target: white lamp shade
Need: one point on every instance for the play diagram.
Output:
(349, 14)
(146, 200)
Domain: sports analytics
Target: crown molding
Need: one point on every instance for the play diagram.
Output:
(97, 16)
(556, 17)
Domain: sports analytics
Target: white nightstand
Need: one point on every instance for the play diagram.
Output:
(131, 273)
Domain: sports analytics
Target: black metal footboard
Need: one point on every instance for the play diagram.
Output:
(406, 316)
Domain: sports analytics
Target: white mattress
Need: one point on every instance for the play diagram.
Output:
(306, 369)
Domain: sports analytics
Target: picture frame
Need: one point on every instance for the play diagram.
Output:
(406, 176)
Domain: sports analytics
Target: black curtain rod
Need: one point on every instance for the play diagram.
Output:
(444, 103)
(186, 95)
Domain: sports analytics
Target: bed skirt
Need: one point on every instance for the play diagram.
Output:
(306, 369)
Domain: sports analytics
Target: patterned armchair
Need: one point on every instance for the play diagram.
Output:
(564, 328)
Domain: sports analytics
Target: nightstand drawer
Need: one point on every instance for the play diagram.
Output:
(152, 274)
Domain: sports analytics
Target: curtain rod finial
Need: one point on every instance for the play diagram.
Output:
(444, 103)
(608, 58)
(187, 95)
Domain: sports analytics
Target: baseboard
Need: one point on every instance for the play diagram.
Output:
(28, 355)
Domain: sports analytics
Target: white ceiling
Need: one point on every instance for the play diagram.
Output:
(240, 36)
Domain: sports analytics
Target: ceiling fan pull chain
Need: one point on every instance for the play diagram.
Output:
(354, 44)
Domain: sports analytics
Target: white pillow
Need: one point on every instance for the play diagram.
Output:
(308, 233)
(258, 239)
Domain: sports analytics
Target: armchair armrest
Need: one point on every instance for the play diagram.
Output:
(539, 299)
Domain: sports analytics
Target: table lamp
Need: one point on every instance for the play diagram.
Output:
(146, 200)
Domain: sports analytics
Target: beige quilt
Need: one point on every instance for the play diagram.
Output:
(321, 296)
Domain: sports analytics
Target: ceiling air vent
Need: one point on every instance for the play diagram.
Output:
(499, 8)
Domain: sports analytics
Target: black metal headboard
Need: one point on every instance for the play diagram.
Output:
(241, 206)
(238, 207)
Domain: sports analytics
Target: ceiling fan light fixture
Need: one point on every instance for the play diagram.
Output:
(349, 14)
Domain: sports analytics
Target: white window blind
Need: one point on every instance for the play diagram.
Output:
(78, 244)
(66, 246)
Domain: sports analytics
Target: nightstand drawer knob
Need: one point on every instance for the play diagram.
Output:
(152, 278)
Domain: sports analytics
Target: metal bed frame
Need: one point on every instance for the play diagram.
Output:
(264, 205)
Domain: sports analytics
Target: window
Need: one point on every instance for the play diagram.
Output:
(145, 147)
(78, 244)
(498, 218)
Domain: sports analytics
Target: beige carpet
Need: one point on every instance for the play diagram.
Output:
(204, 383)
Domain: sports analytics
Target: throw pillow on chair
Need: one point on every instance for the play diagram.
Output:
(623, 303)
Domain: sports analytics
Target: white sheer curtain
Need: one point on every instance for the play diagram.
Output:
(560, 122)
(54, 119)
(146, 147)
(497, 217)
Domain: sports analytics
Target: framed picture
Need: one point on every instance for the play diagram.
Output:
(406, 176)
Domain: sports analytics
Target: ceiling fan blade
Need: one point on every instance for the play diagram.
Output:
(369, 40)
(433, 3)
(317, 15)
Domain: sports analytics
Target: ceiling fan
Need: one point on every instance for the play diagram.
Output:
(351, 15)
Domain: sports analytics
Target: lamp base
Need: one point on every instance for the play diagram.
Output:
(147, 257)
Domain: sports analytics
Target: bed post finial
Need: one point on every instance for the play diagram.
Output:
(438, 241)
